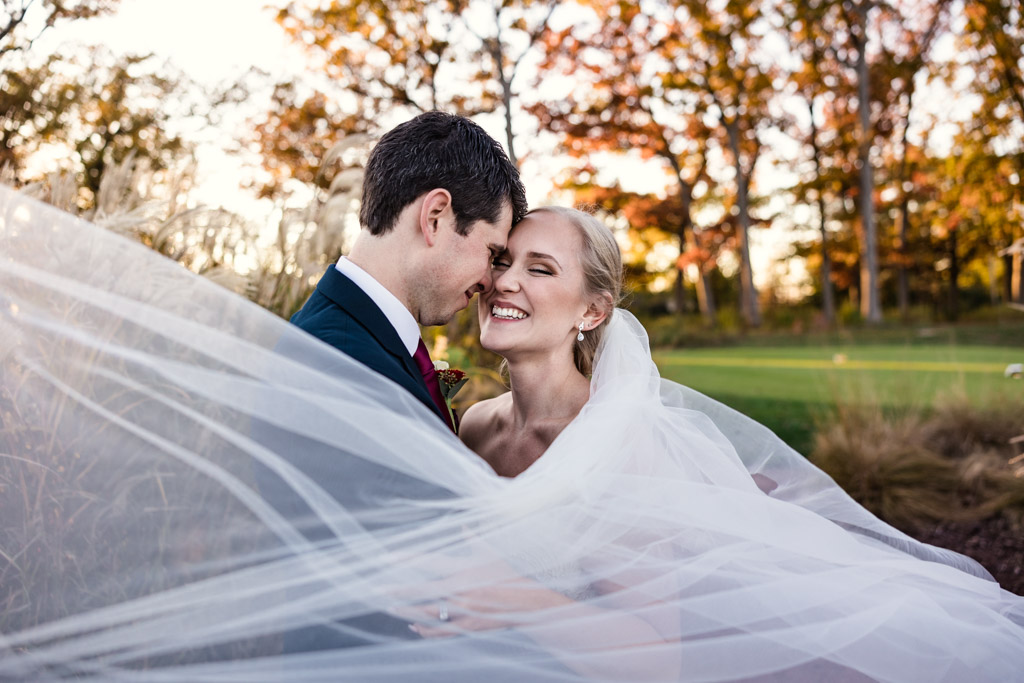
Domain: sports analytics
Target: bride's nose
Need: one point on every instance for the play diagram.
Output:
(506, 280)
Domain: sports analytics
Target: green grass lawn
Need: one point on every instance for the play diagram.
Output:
(792, 389)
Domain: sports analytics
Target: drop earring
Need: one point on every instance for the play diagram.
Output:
(579, 337)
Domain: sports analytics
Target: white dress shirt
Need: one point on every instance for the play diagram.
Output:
(396, 313)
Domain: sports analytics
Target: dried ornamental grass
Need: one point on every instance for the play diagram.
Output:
(913, 470)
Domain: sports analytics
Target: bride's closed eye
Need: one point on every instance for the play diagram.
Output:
(500, 262)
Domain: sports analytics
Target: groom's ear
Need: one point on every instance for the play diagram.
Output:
(436, 213)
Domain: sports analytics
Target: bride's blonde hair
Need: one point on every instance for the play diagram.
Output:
(601, 260)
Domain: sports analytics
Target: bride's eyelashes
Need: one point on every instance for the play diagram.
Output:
(503, 264)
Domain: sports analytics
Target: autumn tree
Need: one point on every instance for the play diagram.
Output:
(22, 74)
(505, 36)
(23, 21)
(29, 110)
(973, 210)
(716, 54)
(839, 68)
(98, 109)
(624, 104)
(989, 60)
(849, 22)
(373, 62)
(814, 84)
(908, 57)
(874, 52)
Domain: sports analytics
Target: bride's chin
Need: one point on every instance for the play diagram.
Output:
(489, 345)
(495, 343)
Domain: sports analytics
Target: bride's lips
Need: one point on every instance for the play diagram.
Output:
(505, 311)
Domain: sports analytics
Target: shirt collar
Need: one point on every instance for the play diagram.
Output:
(393, 309)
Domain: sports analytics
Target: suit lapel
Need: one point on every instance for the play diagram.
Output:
(347, 295)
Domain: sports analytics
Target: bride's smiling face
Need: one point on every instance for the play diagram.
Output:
(536, 300)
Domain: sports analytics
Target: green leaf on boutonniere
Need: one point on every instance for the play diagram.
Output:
(451, 381)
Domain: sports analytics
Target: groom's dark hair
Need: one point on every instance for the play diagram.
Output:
(440, 150)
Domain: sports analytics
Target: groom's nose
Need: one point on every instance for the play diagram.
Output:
(485, 281)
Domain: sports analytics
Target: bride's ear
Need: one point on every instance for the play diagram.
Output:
(598, 310)
(435, 214)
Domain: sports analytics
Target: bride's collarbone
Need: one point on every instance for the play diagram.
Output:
(515, 450)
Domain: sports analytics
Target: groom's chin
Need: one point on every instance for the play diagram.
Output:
(440, 314)
(434, 318)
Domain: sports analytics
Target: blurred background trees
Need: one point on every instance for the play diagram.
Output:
(856, 157)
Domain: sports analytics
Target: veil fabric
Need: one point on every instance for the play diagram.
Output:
(191, 489)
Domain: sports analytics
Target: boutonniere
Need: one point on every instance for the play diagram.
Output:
(450, 381)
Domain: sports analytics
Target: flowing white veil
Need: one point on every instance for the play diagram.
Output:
(193, 490)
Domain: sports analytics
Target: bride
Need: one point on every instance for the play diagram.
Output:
(620, 527)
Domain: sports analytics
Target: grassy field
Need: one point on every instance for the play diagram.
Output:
(793, 388)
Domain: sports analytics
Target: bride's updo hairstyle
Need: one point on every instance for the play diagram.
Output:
(602, 276)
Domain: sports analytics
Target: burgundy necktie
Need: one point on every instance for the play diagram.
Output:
(426, 366)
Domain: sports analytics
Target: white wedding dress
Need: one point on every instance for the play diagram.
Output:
(146, 414)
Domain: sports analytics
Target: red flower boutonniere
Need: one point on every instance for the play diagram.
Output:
(450, 380)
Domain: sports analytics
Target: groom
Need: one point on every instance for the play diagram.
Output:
(439, 198)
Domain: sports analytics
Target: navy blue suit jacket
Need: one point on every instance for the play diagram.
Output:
(341, 314)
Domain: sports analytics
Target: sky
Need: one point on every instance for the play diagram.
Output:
(212, 42)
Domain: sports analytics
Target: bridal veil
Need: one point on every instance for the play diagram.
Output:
(193, 490)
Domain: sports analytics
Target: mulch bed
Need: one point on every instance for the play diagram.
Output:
(993, 542)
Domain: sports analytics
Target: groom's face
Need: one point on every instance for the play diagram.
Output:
(461, 267)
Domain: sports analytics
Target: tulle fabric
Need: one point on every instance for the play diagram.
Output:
(191, 489)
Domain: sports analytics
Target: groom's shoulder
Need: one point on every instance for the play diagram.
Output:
(332, 308)
(332, 324)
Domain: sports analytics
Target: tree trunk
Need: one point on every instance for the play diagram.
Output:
(1015, 278)
(870, 303)
(748, 294)
(679, 292)
(954, 277)
(828, 294)
(506, 96)
(1007, 277)
(827, 291)
(902, 252)
(706, 298)
(705, 295)
(903, 278)
(498, 54)
(688, 242)
(993, 286)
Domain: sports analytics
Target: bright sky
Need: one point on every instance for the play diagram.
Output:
(213, 42)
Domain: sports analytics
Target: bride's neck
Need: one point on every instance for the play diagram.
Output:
(545, 389)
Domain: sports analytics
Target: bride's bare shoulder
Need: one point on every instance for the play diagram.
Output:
(482, 419)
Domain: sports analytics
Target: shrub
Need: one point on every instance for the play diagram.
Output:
(914, 470)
